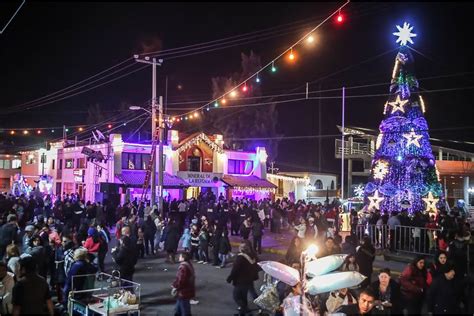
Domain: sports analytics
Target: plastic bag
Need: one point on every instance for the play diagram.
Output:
(268, 300)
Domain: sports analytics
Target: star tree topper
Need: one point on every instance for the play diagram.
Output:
(431, 203)
(398, 105)
(404, 34)
(413, 138)
(375, 200)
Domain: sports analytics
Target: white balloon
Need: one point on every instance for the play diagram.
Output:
(324, 265)
(333, 281)
(292, 305)
(281, 271)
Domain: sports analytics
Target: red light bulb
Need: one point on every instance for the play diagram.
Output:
(340, 18)
(244, 88)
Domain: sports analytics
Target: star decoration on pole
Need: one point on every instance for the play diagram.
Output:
(375, 200)
(398, 105)
(413, 138)
(431, 203)
(380, 169)
(404, 34)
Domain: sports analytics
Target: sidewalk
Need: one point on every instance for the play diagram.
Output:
(278, 244)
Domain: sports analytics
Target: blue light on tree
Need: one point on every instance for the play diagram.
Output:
(403, 174)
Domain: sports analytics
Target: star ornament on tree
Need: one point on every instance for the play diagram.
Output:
(431, 203)
(398, 105)
(413, 138)
(375, 200)
(404, 34)
(380, 169)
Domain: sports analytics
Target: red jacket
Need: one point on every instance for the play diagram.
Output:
(413, 282)
(184, 282)
(91, 246)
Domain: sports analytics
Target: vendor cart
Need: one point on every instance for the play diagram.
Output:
(103, 294)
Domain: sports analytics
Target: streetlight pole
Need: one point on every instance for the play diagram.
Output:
(154, 62)
(160, 156)
(342, 154)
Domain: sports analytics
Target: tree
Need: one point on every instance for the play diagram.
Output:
(241, 123)
(404, 174)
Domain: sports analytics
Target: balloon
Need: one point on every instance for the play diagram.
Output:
(281, 272)
(333, 281)
(324, 265)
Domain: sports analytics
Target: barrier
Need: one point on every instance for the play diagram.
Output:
(410, 239)
(419, 240)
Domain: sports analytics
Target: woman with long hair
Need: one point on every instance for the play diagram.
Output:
(414, 282)
(365, 257)
(293, 253)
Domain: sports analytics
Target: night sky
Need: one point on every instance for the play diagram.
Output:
(49, 46)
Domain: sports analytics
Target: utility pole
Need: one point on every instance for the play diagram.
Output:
(153, 62)
(342, 154)
(160, 156)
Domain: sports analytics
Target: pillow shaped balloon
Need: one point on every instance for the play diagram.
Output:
(333, 281)
(281, 271)
(324, 265)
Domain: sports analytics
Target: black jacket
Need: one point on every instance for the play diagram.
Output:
(126, 256)
(224, 245)
(395, 295)
(441, 297)
(243, 271)
(8, 233)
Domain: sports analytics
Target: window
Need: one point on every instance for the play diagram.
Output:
(30, 159)
(53, 163)
(2, 164)
(239, 166)
(60, 164)
(16, 163)
(194, 164)
(318, 184)
(81, 163)
(280, 187)
(7, 164)
(135, 161)
(69, 164)
(332, 185)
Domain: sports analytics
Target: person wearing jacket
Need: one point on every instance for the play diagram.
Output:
(126, 255)
(81, 266)
(387, 293)
(149, 230)
(224, 248)
(92, 243)
(413, 283)
(441, 297)
(8, 234)
(186, 240)
(242, 277)
(184, 285)
(441, 259)
(365, 257)
(257, 233)
(171, 240)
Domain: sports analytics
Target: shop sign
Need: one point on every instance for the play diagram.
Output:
(200, 179)
(79, 175)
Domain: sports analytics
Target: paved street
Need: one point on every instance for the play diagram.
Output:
(213, 292)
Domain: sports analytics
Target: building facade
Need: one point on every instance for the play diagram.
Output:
(193, 164)
(10, 166)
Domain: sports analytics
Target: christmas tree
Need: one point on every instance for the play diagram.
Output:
(404, 174)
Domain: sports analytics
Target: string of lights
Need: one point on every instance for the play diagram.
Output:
(291, 55)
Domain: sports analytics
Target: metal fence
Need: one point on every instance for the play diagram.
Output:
(410, 239)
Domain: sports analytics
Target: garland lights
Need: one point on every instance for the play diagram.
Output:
(243, 86)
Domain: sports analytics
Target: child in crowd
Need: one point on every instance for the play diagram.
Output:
(186, 240)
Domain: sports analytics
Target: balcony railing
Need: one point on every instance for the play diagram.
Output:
(353, 149)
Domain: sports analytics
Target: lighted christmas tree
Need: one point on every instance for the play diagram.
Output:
(404, 174)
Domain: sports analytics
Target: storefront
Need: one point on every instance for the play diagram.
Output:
(201, 182)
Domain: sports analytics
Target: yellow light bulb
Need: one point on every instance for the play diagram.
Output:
(233, 93)
(310, 39)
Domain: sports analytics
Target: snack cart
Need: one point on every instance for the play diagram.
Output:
(103, 294)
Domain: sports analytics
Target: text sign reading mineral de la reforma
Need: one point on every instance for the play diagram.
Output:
(200, 179)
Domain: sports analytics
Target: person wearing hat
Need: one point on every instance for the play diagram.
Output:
(29, 231)
(441, 297)
(8, 234)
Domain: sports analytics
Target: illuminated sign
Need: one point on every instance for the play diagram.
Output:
(200, 179)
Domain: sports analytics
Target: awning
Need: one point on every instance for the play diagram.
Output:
(136, 178)
(247, 182)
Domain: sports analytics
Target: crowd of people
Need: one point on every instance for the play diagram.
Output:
(56, 239)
